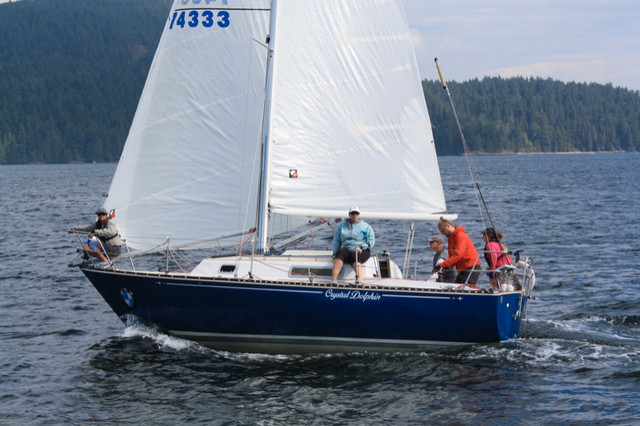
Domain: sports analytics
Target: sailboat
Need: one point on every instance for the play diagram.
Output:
(259, 117)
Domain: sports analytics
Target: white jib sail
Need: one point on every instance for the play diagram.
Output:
(188, 169)
(349, 124)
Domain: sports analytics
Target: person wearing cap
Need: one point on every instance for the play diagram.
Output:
(462, 253)
(105, 230)
(447, 275)
(352, 240)
(495, 254)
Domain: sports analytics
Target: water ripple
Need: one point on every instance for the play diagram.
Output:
(66, 358)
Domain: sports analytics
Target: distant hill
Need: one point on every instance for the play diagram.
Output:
(534, 115)
(71, 73)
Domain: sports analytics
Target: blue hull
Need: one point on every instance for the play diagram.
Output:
(275, 317)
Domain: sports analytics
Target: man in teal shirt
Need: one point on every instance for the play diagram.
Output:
(352, 242)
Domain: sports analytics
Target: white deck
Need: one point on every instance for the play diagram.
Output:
(312, 265)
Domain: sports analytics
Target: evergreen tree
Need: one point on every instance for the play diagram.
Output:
(71, 74)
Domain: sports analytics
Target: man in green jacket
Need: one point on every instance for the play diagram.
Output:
(105, 230)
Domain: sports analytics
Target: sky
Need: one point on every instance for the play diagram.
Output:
(567, 40)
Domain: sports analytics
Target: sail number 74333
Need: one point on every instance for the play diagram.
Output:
(193, 18)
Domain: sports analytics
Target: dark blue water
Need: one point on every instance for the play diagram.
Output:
(66, 358)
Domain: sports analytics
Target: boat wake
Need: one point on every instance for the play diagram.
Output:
(134, 329)
(573, 343)
(161, 340)
(581, 343)
(605, 330)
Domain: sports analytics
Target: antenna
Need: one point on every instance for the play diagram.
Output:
(466, 151)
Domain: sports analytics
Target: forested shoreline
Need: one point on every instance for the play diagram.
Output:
(71, 73)
(520, 115)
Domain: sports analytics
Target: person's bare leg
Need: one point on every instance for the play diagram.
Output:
(102, 257)
(337, 267)
(95, 253)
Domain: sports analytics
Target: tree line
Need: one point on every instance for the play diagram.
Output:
(534, 115)
(71, 73)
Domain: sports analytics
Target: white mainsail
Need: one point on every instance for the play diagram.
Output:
(188, 169)
(349, 124)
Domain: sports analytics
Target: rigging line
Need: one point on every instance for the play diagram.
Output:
(239, 248)
(162, 247)
(466, 152)
(244, 136)
(313, 235)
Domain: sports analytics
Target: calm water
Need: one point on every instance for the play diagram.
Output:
(66, 358)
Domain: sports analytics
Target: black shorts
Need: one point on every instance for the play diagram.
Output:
(113, 251)
(475, 273)
(349, 257)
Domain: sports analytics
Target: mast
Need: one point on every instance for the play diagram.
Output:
(263, 200)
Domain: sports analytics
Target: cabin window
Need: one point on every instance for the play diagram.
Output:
(314, 272)
(227, 268)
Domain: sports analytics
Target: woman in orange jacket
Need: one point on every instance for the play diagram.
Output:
(462, 253)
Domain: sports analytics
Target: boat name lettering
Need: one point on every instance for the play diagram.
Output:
(364, 296)
(194, 18)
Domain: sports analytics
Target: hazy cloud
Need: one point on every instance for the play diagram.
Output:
(568, 40)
